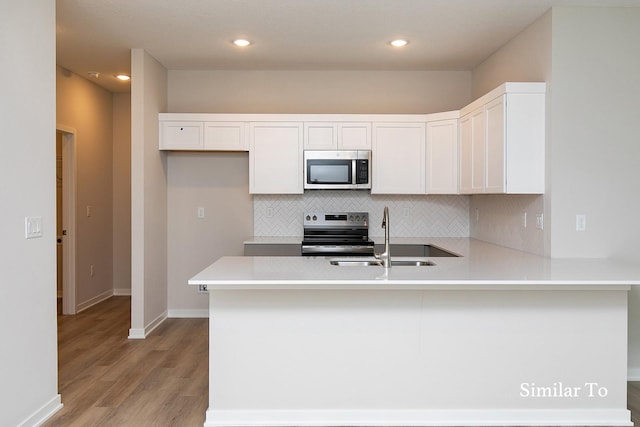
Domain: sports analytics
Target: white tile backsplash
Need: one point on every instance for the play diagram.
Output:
(410, 216)
(500, 221)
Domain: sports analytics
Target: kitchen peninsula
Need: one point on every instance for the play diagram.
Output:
(494, 337)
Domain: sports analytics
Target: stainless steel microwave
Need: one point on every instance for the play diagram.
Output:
(337, 170)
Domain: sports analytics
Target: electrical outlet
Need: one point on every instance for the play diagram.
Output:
(581, 222)
(405, 212)
(91, 270)
(524, 220)
(202, 289)
(269, 212)
(539, 221)
(200, 212)
(89, 211)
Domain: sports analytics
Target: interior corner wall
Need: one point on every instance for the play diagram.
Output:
(148, 195)
(88, 108)
(122, 193)
(29, 368)
(525, 58)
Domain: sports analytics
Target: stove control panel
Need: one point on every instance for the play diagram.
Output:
(336, 219)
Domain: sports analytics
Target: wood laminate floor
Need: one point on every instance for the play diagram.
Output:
(108, 380)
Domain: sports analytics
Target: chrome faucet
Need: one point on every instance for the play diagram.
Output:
(385, 257)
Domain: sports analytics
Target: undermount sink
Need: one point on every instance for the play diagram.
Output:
(354, 262)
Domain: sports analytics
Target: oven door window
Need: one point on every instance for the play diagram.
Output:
(329, 171)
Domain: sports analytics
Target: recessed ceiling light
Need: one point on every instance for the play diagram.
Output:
(241, 42)
(399, 43)
(123, 77)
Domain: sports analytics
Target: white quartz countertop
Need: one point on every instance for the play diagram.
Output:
(481, 266)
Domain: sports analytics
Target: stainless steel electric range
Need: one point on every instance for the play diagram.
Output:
(337, 233)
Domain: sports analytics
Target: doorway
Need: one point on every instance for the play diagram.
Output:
(66, 218)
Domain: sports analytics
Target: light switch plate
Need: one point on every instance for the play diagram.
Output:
(581, 222)
(32, 227)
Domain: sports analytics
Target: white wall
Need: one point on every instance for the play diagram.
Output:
(88, 108)
(525, 58)
(29, 371)
(148, 196)
(219, 183)
(122, 193)
(595, 155)
(319, 92)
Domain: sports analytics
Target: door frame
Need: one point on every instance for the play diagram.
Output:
(68, 218)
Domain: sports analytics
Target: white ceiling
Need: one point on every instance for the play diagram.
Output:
(97, 35)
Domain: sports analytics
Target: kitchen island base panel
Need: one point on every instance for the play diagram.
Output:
(418, 357)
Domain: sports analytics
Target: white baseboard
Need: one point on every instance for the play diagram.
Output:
(633, 374)
(142, 333)
(93, 301)
(189, 314)
(137, 334)
(473, 417)
(122, 292)
(44, 413)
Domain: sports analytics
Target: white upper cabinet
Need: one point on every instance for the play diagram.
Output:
(472, 152)
(354, 136)
(398, 158)
(442, 157)
(275, 158)
(181, 135)
(320, 136)
(495, 146)
(502, 141)
(516, 144)
(337, 136)
(226, 136)
(202, 132)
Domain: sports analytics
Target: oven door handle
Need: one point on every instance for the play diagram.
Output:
(345, 249)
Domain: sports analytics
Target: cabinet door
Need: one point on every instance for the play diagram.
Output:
(354, 136)
(466, 155)
(226, 136)
(442, 157)
(320, 136)
(181, 136)
(472, 152)
(275, 158)
(495, 143)
(478, 151)
(398, 158)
